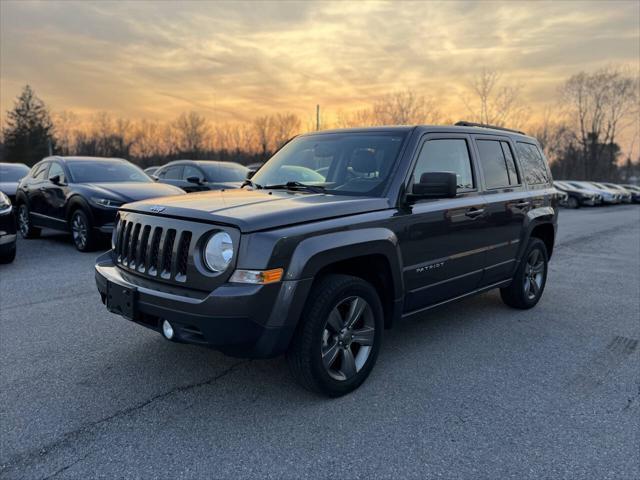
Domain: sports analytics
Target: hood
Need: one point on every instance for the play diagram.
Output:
(134, 191)
(9, 188)
(253, 210)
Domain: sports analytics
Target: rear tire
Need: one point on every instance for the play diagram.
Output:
(572, 202)
(25, 225)
(338, 337)
(84, 237)
(530, 278)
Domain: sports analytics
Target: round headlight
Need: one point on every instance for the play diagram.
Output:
(218, 252)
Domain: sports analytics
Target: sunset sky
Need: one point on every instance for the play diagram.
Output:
(233, 61)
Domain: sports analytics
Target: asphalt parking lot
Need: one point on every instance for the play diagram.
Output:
(471, 390)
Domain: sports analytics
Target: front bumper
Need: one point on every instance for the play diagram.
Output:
(254, 321)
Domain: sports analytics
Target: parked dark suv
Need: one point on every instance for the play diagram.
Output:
(405, 219)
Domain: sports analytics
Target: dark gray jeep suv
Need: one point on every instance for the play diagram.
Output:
(339, 235)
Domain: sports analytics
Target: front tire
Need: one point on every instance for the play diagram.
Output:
(530, 278)
(9, 255)
(84, 237)
(25, 226)
(338, 338)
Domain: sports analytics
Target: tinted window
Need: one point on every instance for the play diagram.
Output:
(56, 169)
(347, 163)
(39, 172)
(105, 172)
(493, 163)
(532, 164)
(12, 173)
(446, 155)
(172, 173)
(226, 172)
(190, 171)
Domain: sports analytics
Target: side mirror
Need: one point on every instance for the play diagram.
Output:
(56, 180)
(196, 180)
(436, 185)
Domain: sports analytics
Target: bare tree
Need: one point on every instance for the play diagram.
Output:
(599, 105)
(285, 126)
(66, 130)
(405, 108)
(263, 127)
(190, 133)
(490, 100)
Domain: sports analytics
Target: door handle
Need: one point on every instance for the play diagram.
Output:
(521, 204)
(474, 212)
(42, 189)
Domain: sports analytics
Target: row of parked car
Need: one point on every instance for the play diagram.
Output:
(576, 194)
(83, 194)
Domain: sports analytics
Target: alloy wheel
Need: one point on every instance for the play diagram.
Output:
(534, 274)
(348, 338)
(23, 220)
(79, 231)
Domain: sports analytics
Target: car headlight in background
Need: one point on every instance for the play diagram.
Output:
(5, 203)
(106, 202)
(218, 252)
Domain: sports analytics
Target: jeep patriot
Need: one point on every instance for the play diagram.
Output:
(337, 237)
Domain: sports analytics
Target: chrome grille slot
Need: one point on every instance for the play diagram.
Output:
(133, 248)
(167, 253)
(141, 257)
(125, 242)
(155, 250)
(183, 256)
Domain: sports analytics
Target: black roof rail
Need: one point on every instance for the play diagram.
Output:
(484, 125)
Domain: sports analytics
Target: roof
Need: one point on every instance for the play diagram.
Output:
(85, 159)
(479, 130)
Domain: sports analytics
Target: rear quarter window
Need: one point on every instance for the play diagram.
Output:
(532, 163)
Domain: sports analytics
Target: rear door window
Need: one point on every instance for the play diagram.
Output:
(532, 163)
(493, 164)
(446, 155)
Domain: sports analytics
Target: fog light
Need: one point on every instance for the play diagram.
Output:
(167, 330)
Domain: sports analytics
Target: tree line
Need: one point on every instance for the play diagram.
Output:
(580, 133)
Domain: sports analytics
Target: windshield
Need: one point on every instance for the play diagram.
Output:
(221, 172)
(342, 163)
(106, 172)
(12, 173)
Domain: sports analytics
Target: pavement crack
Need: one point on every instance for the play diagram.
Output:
(66, 467)
(33, 455)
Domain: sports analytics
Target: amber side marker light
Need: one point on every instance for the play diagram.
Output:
(257, 277)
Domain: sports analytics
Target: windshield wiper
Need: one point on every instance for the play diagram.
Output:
(296, 186)
(257, 186)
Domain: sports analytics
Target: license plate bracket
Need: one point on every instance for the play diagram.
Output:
(121, 300)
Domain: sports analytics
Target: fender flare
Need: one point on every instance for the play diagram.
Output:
(315, 253)
(76, 201)
(536, 217)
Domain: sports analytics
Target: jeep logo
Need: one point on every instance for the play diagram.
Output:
(157, 209)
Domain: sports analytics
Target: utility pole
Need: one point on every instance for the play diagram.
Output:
(317, 117)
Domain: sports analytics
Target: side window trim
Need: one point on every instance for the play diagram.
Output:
(515, 163)
(449, 136)
(498, 138)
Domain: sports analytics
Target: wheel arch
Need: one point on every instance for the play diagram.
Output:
(371, 254)
(545, 232)
(75, 202)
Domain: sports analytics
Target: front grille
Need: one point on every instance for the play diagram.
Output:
(151, 250)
